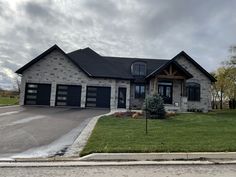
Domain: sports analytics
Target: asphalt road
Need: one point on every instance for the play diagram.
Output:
(124, 171)
(40, 131)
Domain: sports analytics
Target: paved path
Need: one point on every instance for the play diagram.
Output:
(124, 171)
(40, 131)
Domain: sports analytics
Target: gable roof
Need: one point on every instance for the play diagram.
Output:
(110, 67)
(95, 65)
(182, 53)
(35, 60)
(164, 66)
(173, 60)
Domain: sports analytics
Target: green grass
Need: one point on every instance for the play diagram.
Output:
(196, 132)
(8, 101)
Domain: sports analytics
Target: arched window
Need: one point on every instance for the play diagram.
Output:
(138, 69)
(193, 91)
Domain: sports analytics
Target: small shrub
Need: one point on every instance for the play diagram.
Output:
(154, 105)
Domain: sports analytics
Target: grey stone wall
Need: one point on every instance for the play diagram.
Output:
(177, 92)
(55, 68)
(205, 98)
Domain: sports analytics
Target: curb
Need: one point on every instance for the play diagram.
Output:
(159, 156)
(131, 163)
(7, 106)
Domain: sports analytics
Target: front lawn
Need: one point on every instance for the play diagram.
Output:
(4, 101)
(193, 132)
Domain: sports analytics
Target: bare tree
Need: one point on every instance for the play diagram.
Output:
(17, 83)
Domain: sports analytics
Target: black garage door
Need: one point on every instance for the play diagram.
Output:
(68, 95)
(98, 97)
(37, 94)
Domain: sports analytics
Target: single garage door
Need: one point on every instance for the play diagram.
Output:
(98, 97)
(68, 95)
(37, 94)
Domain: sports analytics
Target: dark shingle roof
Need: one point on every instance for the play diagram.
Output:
(95, 65)
(112, 67)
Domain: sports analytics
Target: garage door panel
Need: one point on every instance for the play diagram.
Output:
(98, 97)
(37, 94)
(68, 95)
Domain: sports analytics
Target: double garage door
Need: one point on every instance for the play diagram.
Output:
(67, 95)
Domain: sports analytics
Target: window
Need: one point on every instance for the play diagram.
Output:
(193, 91)
(138, 69)
(139, 91)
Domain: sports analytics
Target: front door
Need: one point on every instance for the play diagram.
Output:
(122, 97)
(165, 91)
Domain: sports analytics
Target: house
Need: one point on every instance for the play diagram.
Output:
(83, 78)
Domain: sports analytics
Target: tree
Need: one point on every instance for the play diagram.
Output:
(221, 85)
(154, 105)
(225, 87)
(17, 84)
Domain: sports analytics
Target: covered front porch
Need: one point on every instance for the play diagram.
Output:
(170, 82)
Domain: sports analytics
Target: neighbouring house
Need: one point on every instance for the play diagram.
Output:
(83, 78)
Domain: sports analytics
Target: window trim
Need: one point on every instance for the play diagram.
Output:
(139, 95)
(196, 91)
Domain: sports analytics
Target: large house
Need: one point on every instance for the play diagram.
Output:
(83, 78)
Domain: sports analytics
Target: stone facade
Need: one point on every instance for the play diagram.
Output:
(56, 68)
(180, 102)
(205, 86)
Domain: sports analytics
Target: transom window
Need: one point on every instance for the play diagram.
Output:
(193, 91)
(138, 69)
(139, 91)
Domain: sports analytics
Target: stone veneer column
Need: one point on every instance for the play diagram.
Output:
(22, 92)
(53, 94)
(83, 95)
(128, 97)
(113, 95)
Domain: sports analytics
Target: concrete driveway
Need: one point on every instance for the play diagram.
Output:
(40, 131)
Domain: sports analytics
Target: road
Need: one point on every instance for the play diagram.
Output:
(124, 171)
(40, 131)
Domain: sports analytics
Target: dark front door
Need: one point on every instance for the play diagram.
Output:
(98, 97)
(68, 95)
(165, 91)
(122, 98)
(37, 94)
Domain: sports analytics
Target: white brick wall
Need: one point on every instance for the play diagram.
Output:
(55, 68)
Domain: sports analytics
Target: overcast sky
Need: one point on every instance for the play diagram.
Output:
(137, 28)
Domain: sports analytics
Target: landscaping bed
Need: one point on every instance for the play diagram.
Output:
(193, 132)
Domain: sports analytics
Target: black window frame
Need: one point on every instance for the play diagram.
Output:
(139, 69)
(139, 94)
(193, 91)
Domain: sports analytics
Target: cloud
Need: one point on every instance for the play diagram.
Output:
(152, 29)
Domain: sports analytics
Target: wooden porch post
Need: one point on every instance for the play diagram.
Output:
(184, 93)
(155, 85)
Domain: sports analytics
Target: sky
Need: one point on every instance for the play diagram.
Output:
(205, 29)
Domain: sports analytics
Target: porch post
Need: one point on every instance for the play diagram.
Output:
(184, 88)
(155, 85)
